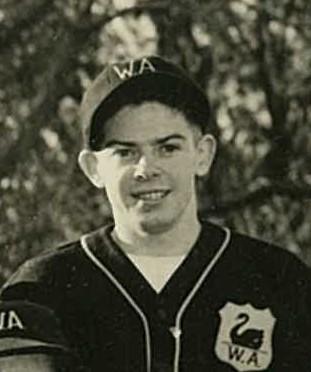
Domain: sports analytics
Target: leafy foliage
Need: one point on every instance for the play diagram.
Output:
(253, 57)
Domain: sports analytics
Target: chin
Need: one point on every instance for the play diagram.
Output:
(155, 225)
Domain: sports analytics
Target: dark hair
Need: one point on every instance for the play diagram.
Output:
(195, 111)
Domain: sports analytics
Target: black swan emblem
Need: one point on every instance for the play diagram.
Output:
(252, 338)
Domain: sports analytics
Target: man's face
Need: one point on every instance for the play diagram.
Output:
(150, 158)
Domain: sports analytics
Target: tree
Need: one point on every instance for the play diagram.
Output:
(253, 57)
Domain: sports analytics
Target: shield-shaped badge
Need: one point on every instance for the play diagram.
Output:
(244, 337)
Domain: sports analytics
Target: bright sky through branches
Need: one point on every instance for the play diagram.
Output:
(123, 4)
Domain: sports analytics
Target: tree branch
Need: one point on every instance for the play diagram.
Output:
(260, 195)
(154, 7)
(29, 17)
(276, 161)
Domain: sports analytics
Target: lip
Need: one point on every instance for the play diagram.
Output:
(152, 196)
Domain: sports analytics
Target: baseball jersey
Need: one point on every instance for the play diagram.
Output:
(234, 304)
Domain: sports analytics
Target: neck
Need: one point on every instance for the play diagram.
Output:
(178, 240)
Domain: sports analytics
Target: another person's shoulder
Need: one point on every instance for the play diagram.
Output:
(31, 339)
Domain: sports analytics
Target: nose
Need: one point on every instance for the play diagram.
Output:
(146, 169)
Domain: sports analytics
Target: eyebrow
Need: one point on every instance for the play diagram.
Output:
(170, 137)
(119, 143)
(157, 141)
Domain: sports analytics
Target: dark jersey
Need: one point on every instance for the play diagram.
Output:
(234, 304)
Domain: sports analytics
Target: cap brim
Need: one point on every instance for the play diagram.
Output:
(11, 344)
(149, 85)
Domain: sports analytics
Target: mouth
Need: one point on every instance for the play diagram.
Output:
(151, 195)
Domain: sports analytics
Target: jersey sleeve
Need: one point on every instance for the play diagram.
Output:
(34, 282)
(298, 278)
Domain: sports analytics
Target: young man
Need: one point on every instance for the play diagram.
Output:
(159, 290)
(31, 339)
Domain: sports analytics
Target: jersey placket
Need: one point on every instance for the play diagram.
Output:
(161, 314)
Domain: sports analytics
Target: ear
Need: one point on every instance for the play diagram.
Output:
(206, 148)
(88, 163)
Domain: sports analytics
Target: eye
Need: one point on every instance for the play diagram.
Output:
(124, 153)
(169, 148)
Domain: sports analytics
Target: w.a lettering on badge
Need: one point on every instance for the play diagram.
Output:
(244, 337)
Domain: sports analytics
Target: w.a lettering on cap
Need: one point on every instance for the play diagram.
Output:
(132, 68)
(120, 83)
(27, 326)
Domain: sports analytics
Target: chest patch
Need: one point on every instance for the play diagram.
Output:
(244, 337)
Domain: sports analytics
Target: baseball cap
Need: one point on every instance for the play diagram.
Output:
(25, 326)
(133, 81)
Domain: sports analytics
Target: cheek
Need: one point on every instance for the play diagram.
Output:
(184, 173)
(118, 184)
(109, 172)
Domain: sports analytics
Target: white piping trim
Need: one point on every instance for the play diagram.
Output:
(110, 276)
(176, 330)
